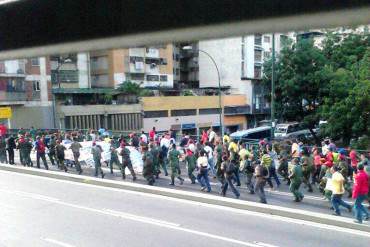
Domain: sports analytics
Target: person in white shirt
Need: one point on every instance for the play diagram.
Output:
(208, 149)
(143, 137)
(211, 136)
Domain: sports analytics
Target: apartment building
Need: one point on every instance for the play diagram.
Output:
(25, 87)
(240, 62)
(151, 67)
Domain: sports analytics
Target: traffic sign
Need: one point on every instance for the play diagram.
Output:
(5, 112)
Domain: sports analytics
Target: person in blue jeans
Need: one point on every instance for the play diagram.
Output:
(360, 191)
(228, 168)
(202, 177)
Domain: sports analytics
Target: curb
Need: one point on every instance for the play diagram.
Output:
(203, 198)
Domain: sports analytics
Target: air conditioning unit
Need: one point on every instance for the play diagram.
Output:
(153, 65)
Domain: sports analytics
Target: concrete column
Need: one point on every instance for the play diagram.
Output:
(106, 121)
(44, 94)
(83, 70)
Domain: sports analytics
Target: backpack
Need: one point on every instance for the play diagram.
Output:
(265, 171)
(230, 168)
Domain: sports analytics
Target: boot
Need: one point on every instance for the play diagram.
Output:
(181, 180)
(172, 182)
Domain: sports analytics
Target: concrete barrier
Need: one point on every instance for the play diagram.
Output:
(197, 197)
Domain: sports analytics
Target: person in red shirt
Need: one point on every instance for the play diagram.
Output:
(329, 159)
(204, 137)
(354, 160)
(317, 163)
(40, 152)
(152, 134)
(359, 193)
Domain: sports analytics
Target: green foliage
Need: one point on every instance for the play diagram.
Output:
(330, 83)
(131, 88)
(187, 93)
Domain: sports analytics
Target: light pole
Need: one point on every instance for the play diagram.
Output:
(273, 88)
(219, 85)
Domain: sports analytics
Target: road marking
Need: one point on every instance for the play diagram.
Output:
(264, 244)
(218, 207)
(139, 218)
(132, 217)
(56, 242)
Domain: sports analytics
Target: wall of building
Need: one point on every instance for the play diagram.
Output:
(28, 116)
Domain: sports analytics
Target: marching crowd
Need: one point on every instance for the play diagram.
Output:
(331, 170)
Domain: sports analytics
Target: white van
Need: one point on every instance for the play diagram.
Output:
(284, 130)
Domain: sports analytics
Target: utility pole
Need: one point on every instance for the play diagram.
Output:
(273, 88)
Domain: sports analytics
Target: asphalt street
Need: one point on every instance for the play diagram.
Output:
(39, 211)
(313, 202)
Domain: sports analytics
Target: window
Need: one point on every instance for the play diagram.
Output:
(177, 71)
(134, 59)
(36, 86)
(266, 39)
(35, 61)
(155, 114)
(283, 40)
(137, 76)
(152, 77)
(99, 63)
(266, 54)
(177, 58)
(257, 55)
(208, 111)
(257, 72)
(163, 78)
(187, 112)
(163, 61)
(152, 60)
(258, 39)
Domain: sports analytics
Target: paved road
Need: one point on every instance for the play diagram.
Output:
(281, 196)
(46, 212)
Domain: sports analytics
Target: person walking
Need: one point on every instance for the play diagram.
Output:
(148, 171)
(174, 156)
(40, 152)
(296, 180)
(96, 152)
(11, 145)
(208, 149)
(75, 147)
(307, 168)
(154, 150)
(228, 168)
(359, 193)
(3, 156)
(202, 177)
(59, 150)
(261, 174)
(51, 146)
(338, 181)
(191, 162)
(126, 162)
(114, 159)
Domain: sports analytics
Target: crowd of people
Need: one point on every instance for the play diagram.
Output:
(331, 170)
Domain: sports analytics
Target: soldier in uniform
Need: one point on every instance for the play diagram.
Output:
(148, 171)
(96, 152)
(343, 169)
(126, 162)
(114, 160)
(10, 147)
(155, 153)
(191, 162)
(51, 146)
(307, 168)
(174, 156)
(27, 151)
(3, 156)
(59, 150)
(75, 146)
(296, 180)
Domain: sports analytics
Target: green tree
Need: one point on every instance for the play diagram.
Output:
(300, 72)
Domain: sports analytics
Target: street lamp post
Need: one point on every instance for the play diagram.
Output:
(273, 88)
(219, 85)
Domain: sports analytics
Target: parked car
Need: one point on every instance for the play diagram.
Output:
(252, 134)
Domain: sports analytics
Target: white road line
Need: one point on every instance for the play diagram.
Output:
(132, 217)
(56, 242)
(139, 218)
(264, 244)
(223, 208)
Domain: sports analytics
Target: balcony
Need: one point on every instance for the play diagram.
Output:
(260, 110)
(236, 110)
